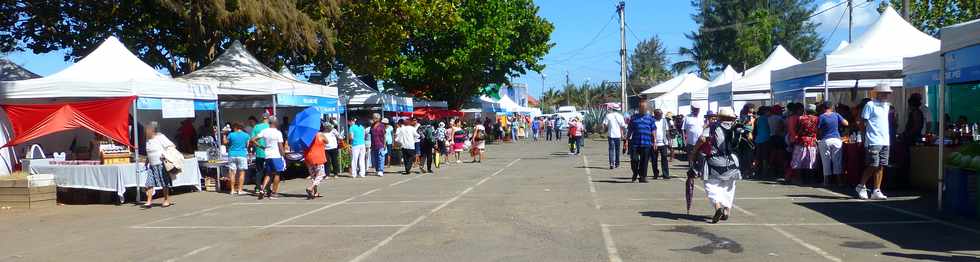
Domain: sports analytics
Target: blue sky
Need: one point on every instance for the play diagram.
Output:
(578, 22)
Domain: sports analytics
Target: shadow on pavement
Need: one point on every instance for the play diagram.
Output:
(613, 181)
(674, 216)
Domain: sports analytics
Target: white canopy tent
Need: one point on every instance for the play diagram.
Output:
(699, 97)
(668, 101)
(664, 87)
(875, 57)
(921, 71)
(361, 95)
(110, 70)
(754, 85)
(240, 76)
(503, 105)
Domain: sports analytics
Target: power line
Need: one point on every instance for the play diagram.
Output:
(575, 52)
(729, 26)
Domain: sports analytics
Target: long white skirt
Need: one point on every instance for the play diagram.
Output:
(720, 192)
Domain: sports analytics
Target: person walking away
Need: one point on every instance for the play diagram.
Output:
(237, 143)
(429, 141)
(640, 135)
(441, 139)
(795, 111)
(332, 146)
(830, 144)
(777, 141)
(389, 140)
(379, 149)
(693, 126)
(805, 143)
(259, 152)
(572, 129)
(274, 163)
(660, 151)
(406, 136)
(615, 126)
(356, 139)
(875, 115)
(746, 149)
(514, 123)
(535, 128)
(315, 159)
(560, 123)
(158, 177)
(719, 180)
(479, 143)
(762, 143)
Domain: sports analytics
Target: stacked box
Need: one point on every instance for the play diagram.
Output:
(19, 194)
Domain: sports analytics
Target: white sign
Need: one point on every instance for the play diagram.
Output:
(177, 108)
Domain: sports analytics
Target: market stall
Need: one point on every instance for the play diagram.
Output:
(245, 88)
(665, 95)
(846, 75)
(9, 71)
(958, 89)
(699, 97)
(754, 86)
(83, 103)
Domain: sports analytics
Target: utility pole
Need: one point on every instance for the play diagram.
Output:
(621, 8)
(905, 10)
(850, 19)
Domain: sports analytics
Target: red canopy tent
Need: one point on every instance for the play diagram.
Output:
(107, 117)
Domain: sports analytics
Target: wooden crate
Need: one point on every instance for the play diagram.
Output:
(16, 194)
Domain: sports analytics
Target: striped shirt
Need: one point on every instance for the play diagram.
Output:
(641, 129)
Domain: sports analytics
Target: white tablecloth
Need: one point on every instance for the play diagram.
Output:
(114, 178)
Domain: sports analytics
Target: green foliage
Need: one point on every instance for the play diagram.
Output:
(179, 35)
(593, 118)
(484, 42)
(696, 55)
(931, 16)
(648, 63)
(735, 32)
(581, 96)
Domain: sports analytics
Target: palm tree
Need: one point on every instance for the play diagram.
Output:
(697, 58)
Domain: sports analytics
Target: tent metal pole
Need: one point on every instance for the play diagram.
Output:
(274, 105)
(826, 89)
(218, 136)
(136, 148)
(940, 100)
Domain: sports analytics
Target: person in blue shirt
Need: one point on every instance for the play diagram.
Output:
(640, 134)
(761, 139)
(358, 163)
(237, 143)
(877, 142)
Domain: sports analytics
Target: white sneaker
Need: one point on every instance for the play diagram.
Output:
(862, 191)
(381, 174)
(877, 195)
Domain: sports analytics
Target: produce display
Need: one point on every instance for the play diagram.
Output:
(967, 158)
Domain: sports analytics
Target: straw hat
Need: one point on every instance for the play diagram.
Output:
(726, 113)
(882, 88)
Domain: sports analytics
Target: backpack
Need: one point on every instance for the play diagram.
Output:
(721, 161)
(428, 134)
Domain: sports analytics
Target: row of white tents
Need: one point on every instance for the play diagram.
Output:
(877, 56)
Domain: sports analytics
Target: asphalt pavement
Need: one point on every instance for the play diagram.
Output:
(529, 201)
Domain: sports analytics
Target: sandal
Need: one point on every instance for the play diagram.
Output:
(148, 206)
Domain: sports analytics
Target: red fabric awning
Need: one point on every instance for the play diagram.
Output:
(435, 113)
(107, 117)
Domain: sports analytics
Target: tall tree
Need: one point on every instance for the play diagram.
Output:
(696, 58)
(487, 42)
(734, 32)
(931, 16)
(179, 35)
(648, 63)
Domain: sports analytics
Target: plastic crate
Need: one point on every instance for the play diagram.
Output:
(960, 192)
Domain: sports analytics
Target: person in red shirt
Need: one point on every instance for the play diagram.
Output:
(315, 157)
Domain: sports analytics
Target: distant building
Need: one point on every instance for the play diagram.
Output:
(517, 92)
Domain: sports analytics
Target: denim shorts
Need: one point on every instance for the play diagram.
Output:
(876, 156)
(238, 164)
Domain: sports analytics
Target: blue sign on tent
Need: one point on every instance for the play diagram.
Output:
(963, 65)
(147, 103)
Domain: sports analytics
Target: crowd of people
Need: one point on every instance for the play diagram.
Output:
(765, 142)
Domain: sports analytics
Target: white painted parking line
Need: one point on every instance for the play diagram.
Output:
(258, 227)
(182, 215)
(910, 213)
(196, 227)
(809, 246)
(610, 244)
(195, 251)
(317, 203)
(280, 222)
(401, 230)
(335, 226)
